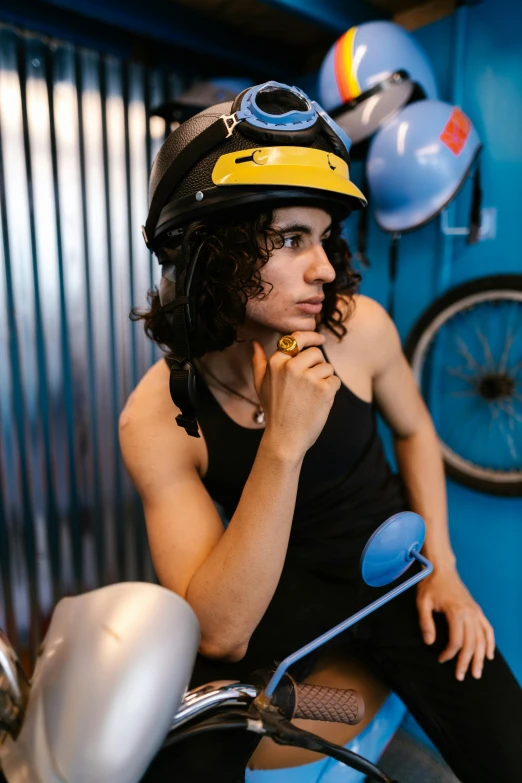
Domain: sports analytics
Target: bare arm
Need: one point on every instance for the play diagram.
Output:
(231, 589)
(416, 444)
(228, 577)
(471, 636)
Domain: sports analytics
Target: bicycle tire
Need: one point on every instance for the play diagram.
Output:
(458, 301)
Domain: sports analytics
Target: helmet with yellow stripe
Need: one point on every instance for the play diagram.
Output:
(370, 72)
(271, 146)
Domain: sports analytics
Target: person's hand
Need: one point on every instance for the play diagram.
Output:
(470, 634)
(296, 392)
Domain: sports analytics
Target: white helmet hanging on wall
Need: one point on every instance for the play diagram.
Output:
(272, 146)
(418, 162)
(370, 72)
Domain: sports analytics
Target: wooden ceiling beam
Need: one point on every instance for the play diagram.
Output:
(425, 13)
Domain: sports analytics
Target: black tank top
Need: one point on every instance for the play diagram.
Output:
(346, 487)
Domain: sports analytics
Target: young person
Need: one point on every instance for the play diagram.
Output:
(246, 204)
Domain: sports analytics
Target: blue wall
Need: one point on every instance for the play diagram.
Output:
(476, 56)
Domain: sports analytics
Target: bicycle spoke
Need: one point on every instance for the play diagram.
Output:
(465, 352)
(510, 442)
(485, 431)
(456, 372)
(460, 438)
(516, 369)
(485, 347)
(477, 428)
(495, 413)
(514, 396)
(507, 408)
(510, 339)
(449, 423)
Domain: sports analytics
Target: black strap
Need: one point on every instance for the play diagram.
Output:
(339, 148)
(475, 214)
(188, 157)
(180, 327)
(182, 385)
(393, 263)
(169, 308)
(182, 382)
(362, 227)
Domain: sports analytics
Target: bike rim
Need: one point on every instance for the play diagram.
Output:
(476, 401)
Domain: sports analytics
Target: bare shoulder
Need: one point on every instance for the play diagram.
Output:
(148, 402)
(149, 398)
(152, 444)
(367, 317)
(371, 334)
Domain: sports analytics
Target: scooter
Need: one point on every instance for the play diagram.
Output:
(110, 684)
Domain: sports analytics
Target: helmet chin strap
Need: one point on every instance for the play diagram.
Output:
(179, 275)
(476, 203)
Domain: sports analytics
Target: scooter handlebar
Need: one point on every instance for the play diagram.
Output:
(315, 702)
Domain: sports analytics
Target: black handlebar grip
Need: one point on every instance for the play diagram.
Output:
(315, 702)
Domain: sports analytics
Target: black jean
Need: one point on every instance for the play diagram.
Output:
(475, 724)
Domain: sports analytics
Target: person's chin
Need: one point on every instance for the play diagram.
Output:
(305, 322)
(302, 323)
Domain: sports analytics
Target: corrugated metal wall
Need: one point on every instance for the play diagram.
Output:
(75, 150)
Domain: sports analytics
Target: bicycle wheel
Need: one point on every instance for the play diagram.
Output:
(466, 355)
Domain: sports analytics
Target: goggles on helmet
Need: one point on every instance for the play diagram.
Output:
(301, 114)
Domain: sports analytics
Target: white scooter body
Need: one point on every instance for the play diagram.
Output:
(113, 670)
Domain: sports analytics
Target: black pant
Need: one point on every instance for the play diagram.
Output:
(475, 724)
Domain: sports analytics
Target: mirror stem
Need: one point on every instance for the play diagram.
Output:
(413, 554)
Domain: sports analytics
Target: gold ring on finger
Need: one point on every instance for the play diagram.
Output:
(288, 345)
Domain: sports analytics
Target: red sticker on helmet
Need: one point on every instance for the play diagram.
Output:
(456, 131)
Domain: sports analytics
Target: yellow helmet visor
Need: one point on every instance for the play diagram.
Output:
(300, 167)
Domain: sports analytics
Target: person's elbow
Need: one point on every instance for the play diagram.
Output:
(223, 649)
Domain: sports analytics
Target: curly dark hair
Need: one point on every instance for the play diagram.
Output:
(228, 274)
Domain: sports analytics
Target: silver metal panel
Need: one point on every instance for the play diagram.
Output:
(112, 673)
(76, 145)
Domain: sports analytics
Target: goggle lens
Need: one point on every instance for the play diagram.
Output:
(276, 105)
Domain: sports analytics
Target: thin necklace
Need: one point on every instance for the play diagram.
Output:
(259, 415)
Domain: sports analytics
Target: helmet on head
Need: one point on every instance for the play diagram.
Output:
(271, 147)
(418, 162)
(370, 73)
(291, 153)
